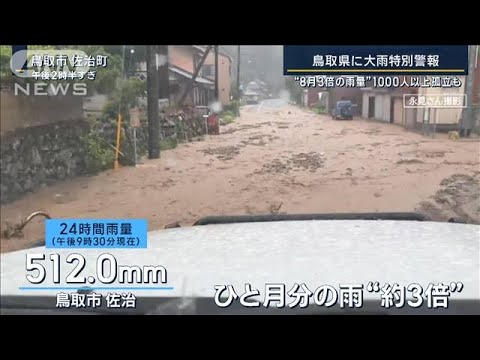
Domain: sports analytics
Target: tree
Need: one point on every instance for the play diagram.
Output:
(294, 89)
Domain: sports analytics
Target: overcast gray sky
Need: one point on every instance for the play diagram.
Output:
(264, 62)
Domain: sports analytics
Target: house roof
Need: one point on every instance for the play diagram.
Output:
(189, 75)
(220, 52)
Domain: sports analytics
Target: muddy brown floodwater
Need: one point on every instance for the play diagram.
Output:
(285, 160)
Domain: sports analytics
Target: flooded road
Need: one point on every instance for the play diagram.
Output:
(275, 158)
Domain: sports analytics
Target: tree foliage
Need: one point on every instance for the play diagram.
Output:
(294, 89)
(124, 97)
(106, 77)
(5, 55)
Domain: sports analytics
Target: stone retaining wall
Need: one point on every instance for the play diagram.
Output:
(39, 155)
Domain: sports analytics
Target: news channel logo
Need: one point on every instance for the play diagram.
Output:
(48, 64)
(24, 63)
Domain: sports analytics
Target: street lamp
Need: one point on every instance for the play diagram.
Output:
(132, 51)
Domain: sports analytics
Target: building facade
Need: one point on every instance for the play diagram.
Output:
(182, 62)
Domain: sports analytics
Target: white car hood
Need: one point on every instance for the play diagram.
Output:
(314, 252)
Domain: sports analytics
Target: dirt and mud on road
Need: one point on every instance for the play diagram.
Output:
(458, 197)
(308, 162)
(274, 159)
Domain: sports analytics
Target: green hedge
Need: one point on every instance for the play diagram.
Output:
(233, 107)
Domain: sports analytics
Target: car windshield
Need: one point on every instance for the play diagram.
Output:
(169, 136)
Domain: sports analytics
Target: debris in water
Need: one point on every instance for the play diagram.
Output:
(275, 207)
(409, 161)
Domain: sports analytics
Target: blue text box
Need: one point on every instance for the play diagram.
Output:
(299, 59)
(96, 233)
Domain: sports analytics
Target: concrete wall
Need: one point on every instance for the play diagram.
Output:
(365, 105)
(420, 114)
(378, 107)
(386, 99)
(23, 111)
(442, 116)
(410, 118)
(382, 105)
(305, 98)
(447, 116)
(398, 111)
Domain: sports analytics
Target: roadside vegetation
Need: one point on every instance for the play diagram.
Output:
(294, 90)
(320, 109)
(168, 143)
(230, 112)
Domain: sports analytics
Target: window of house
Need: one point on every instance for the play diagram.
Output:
(208, 70)
(174, 88)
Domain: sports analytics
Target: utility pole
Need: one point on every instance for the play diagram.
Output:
(124, 74)
(217, 98)
(238, 72)
(164, 91)
(152, 103)
(467, 115)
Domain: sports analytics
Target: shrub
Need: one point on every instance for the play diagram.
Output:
(227, 116)
(99, 155)
(226, 119)
(124, 97)
(233, 107)
(168, 143)
(319, 109)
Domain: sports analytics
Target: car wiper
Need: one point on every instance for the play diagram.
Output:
(38, 305)
(17, 230)
(398, 216)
